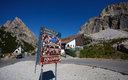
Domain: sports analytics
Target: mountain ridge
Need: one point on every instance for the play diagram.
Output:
(21, 31)
(113, 16)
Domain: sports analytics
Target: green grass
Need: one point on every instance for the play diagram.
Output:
(117, 40)
(104, 51)
(71, 52)
(27, 47)
(96, 52)
(87, 40)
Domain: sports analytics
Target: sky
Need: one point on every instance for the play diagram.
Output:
(64, 16)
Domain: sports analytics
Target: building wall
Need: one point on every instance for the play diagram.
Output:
(62, 52)
(80, 40)
(71, 44)
(18, 51)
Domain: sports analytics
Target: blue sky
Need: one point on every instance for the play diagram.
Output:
(64, 16)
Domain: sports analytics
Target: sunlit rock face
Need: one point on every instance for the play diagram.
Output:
(21, 31)
(113, 16)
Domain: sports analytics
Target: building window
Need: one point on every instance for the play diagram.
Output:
(68, 45)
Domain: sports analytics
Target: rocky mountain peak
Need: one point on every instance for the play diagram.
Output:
(7, 23)
(17, 20)
(21, 31)
(113, 16)
(115, 9)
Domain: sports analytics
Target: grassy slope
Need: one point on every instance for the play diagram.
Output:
(104, 51)
(8, 43)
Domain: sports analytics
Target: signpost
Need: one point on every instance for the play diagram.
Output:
(49, 48)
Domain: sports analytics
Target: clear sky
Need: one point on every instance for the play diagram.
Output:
(64, 16)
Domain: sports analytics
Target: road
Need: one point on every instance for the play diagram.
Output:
(12, 61)
(114, 65)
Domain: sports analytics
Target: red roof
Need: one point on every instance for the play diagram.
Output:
(70, 38)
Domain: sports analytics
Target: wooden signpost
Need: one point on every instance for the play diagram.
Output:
(49, 48)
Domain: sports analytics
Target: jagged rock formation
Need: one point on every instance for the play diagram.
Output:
(113, 16)
(21, 31)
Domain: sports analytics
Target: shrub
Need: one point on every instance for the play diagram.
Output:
(70, 52)
(117, 40)
(87, 40)
(103, 51)
(97, 51)
(27, 47)
(8, 43)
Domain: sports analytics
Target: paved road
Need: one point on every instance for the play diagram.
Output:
(114, 65)
(12, 61)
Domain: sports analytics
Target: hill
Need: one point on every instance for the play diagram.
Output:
(113, 16)
(107, 33)
(21, 31)
(15, 34)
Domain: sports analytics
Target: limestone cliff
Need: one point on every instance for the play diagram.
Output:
(113, 16)
(21, 31)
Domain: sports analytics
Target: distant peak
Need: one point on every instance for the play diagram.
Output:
(7, 23)
(114, 16)
(17, 20)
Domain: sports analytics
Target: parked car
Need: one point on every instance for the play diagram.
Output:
(2, 56)
(20, 56)
(33, 54)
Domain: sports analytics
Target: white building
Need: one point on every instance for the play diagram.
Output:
(73, 42)
(18, 50)
(62, 52)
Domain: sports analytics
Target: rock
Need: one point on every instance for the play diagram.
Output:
(109, 34)
(7, 23)
(113, 16)
(21, 31)
(123, 47)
